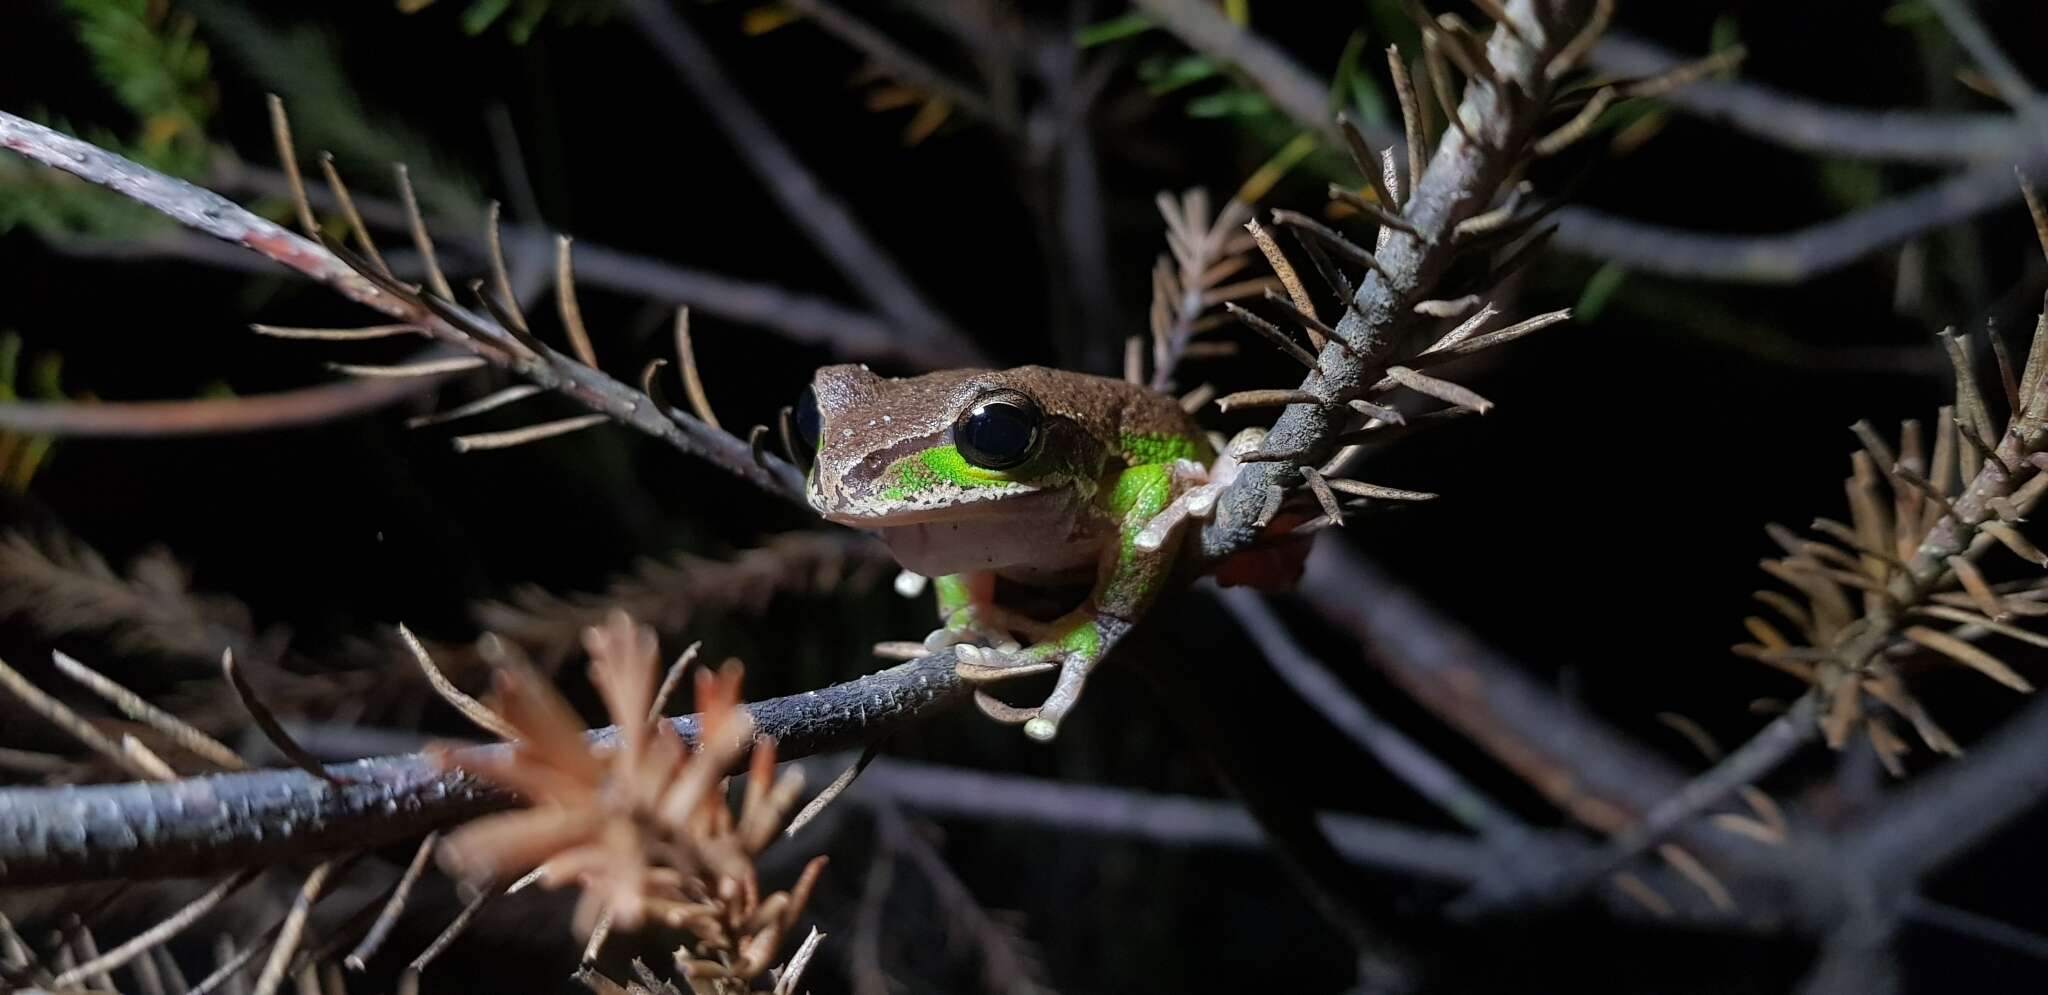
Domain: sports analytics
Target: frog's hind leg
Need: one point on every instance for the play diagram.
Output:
(968, 613)
(1128, 579)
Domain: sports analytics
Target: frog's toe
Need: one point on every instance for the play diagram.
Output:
(1002, 711)
(982, 663)
(1065, 695)
(939, 639)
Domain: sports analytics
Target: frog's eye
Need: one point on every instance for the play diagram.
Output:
(999, 431)
(808, 421)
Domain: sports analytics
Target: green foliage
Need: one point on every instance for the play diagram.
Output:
(1114, 29)
(1599, 290)
(22, 455)
(520, 17)
(151, 61)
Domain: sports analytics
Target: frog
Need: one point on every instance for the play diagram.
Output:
(1028, 476)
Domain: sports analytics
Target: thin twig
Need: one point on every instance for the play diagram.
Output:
(64, 718)
(160, 933)
(260, 714)
(834, 790)
(531, 433)
(132, 705)
(567, 306)
(394, 906)
(453, 930)
(693, 383)
(475, 711)
(294, 928)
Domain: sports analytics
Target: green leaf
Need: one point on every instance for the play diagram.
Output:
(1906, 13)
(1230, 103)
(1727, 33)
(1599, 290)
(1186, 70)
(482, 14)
(1115, 29)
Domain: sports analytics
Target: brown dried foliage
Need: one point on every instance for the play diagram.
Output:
(642, 826)
(1903, 583)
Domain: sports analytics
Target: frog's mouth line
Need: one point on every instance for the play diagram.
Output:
(961, 508)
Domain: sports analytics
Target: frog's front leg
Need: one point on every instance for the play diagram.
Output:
(1129, 579)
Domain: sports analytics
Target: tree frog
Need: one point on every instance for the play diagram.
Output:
(1037, 476)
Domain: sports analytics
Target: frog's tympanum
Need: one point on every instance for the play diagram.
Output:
(1035, 476)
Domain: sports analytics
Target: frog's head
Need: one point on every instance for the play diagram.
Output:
(960, 444)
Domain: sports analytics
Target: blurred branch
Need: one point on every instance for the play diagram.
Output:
(1951, 809)
(1431, 778)
(1824, 129)
(1970, 32)
(1797, 255)
(214, 416)
(810, 206)
(802, 317)
(1234, 752)
(1183, 821)
(1008, 965)
(1760, 755)
(1597, 776)
(902, 65)
(225, 821)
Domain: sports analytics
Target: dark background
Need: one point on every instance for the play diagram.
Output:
(1602, 526)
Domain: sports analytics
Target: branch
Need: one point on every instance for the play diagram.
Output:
(1762, 754)
(1824, 129)
(203, 825)
(1406, 759)
(1170, 820)
(1797, 255)
(902, 65)
(1183, 821)
(801, 317)
(212, 416)
(1955, 807)
(1599, 777)
(209, 212)
(829, 224)
(1461, 181)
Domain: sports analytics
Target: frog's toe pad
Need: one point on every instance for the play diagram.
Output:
(939, 639)
(1036, 725)
(981, 663)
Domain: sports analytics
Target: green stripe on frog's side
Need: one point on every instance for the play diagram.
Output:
(1140, 493)
(1140, 450)
(954, 594)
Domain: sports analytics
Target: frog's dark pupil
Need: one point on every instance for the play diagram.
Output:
(807, 419)
(998, 432)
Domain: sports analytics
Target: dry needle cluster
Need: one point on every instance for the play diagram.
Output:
(1909, 579)
(642, 825)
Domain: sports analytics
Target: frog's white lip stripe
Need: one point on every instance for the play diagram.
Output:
(957, 507)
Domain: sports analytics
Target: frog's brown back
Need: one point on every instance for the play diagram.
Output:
(1108, 407)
